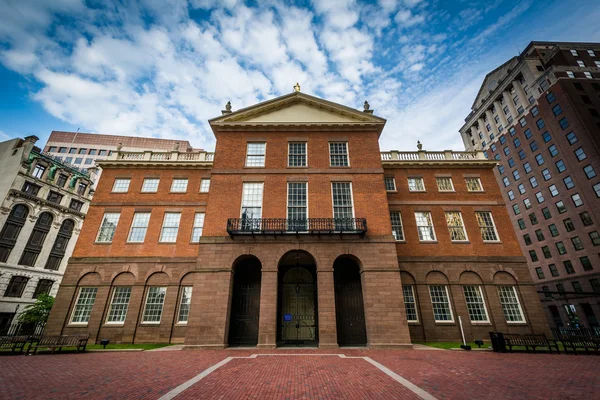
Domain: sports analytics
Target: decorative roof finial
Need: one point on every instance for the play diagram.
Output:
(227, 109)
(367, 108)
(297, 87)
(419, 145)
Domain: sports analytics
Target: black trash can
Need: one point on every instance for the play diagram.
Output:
(498, 343)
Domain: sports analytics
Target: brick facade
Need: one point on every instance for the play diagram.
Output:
(211, 266)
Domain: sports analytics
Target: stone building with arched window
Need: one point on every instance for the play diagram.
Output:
(296, 231)
(43, 202)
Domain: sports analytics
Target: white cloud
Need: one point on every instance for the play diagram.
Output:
(407, 19)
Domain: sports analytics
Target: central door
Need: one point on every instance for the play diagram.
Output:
(349, 306)
(245, 304)
(297, 316)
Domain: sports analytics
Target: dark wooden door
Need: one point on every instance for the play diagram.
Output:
(349, 310)
(298, 310)
(245, 308)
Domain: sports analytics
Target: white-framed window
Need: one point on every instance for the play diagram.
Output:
(397, 229)
(198, 227)
(410, 304)
(425, 226)
(416, 185)
(297, 206)
(139, 226)
(510, 304)
(441, 303)
(390, 184)
(487, 226)
(297, 154)
(108, 227)
(445, 184)
(83, 305)
(255, 154)
(155, 299)
(184, 305)
(475, 304)
(204, 185)
(170, 227)
(150, 185)
(474, 185)
(179, 185)
(456, 226)
(252, 198)
(121, 185)
(338, 154)
(119, 305)
(343, 206)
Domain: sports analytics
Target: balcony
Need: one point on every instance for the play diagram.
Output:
(284, 226)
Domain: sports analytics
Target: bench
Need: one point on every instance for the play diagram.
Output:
(13, 342)
(580, 342)
(59, 341)
(532, 341)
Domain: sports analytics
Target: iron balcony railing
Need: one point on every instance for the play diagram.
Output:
(284, 226)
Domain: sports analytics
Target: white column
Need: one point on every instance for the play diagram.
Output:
(508, 101)
(481, 124)
(500, 113)
(475, 135)
(522, 95)
(492, 123)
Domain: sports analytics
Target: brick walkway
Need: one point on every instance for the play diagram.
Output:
(300, 374)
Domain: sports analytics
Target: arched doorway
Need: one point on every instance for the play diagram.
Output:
(349, 306)
(297, 306)
(245, 302)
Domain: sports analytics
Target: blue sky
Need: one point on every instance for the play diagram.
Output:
(161, 69)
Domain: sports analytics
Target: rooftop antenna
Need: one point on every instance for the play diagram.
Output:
(75, 136)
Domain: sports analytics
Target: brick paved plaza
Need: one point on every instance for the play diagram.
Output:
(299, 374)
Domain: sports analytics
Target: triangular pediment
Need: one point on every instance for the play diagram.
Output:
(492, 80)
(297, 109)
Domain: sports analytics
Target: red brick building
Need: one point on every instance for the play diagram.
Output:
(300, 232)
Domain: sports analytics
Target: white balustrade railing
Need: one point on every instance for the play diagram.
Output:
(163, 156)
(431, 155)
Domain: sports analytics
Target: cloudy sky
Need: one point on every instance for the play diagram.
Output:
(158, 68)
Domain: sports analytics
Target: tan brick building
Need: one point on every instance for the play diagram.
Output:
(300, 232)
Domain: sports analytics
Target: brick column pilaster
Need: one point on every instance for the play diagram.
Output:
(267, 323)
(326, 306)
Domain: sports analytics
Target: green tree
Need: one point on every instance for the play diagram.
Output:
(37, 312)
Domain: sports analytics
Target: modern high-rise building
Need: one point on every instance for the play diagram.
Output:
(299, 231)
(42, 206)
(538, 115)
(82, 150)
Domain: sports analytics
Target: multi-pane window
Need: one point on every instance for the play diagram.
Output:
(553, 270)
(596, 188)
(569, 267)
(139, 226)
(445, 184)
(510, 304)
(516, 209)
(586, 263)
(521, 188)
(577, 200)
(553, 230)
(83, 305)
(297, 154)
(527, 167)
(486, 226)
(179, 185)
(506, 181)
(81, 188)
(108, 227)
(533, 145)
(546, 212)
(539, 159)
(416, 185)
(390, 184)
(511, 195)
(586, 218)
(61, 180)
(546, 174)
(564, 123)
(297, 206)
(119, 305)
(475, 303)
(198, 227)
(546, 136)
(569, 225)
(553, 151)
(557, 110)
(560, 206)
(533, 219)
(150, 185)
(441, 303)
(184, 304)
(121, 185)
(533, 255)
(527, 239)
(589, 171)
(527, 203)
(577, 286)
(521, 223)
(75, 205)
(255, 154)
(456, 226)
(425, 226)
(343, 208)
(410, 304)
(170, 227)
(54, 197)
(397, 229)
(595, 285)
(560, 246)
(516, 175)
(540, 197)
(560, 166)
(569, 184)
(540, 123)
(546, 251)
(595, 238)
(252, 197)
(155, 299)
(572, 138)
(16, 286)
(338, 154)
(43, 287)
(474, 184)
(580, 154)
(38, 171)
(553, 190)
(204, 185)
(577, 243)
(539, 272)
